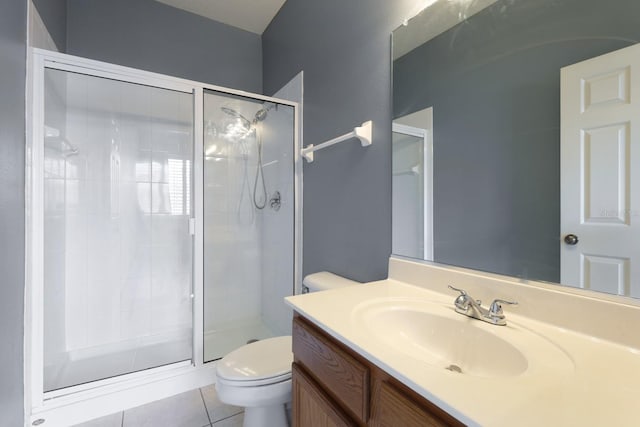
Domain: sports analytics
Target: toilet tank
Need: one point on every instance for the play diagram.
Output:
(325, 280)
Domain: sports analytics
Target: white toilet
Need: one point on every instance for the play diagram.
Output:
(257, 376)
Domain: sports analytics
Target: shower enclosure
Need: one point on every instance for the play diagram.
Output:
(163, 221)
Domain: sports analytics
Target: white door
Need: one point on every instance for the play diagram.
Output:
(600, 142)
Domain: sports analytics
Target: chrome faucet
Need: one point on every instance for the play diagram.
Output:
(468, 306)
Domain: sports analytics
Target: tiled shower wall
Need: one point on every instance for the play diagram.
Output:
(231, 224)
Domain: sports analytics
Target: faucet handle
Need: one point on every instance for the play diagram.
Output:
(462, 300)
(462, 291)
(495, 310)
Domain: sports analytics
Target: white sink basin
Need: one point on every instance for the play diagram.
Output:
(440, 337)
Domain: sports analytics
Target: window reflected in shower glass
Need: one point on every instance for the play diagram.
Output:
(117, 250)
(248, 230)
(179, 186)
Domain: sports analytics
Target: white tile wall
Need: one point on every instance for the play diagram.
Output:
(232, 251)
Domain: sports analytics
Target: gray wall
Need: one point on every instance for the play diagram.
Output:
(13, 33)
(496, 99)
(54, 16)
(344, 49)
(152, 36)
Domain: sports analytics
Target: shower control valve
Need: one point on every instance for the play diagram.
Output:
(276, 201)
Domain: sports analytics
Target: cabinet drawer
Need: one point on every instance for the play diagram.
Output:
(311, 406)
(393, 408)
(340, 374)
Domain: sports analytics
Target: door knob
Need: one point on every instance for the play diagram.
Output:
(571, 239)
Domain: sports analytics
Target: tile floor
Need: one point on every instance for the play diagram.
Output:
(196, 408)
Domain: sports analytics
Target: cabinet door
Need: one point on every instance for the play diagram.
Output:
(392, 408)
(311, 406)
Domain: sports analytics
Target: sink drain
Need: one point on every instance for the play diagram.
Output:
(454, 368)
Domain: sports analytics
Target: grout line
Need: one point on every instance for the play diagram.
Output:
(122, 419)
(205, 406)
(230, 416)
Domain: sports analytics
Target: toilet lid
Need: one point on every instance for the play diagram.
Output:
(262, 359)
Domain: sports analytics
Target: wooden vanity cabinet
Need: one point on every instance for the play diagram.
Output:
(334, 386)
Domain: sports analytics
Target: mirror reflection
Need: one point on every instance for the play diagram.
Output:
(526, 162)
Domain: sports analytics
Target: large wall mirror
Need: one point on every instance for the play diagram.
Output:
(516, 139)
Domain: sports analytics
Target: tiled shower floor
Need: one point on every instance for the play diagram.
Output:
(196, 408)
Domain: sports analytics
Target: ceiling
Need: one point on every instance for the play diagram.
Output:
(249, 15)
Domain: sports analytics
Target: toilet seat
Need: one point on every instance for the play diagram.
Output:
(256, 382)
(260, 363)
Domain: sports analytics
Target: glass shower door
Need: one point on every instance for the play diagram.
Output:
(117, 248)
(248, 201)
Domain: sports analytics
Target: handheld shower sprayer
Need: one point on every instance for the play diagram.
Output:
(250, 125)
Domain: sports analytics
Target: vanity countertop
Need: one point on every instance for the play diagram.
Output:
(590, 381)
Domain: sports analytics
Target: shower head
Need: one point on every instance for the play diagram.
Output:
(54, 140)
(233, 113)
(261, 114)
(61, 145)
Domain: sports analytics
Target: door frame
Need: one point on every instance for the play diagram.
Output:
(427, 161)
